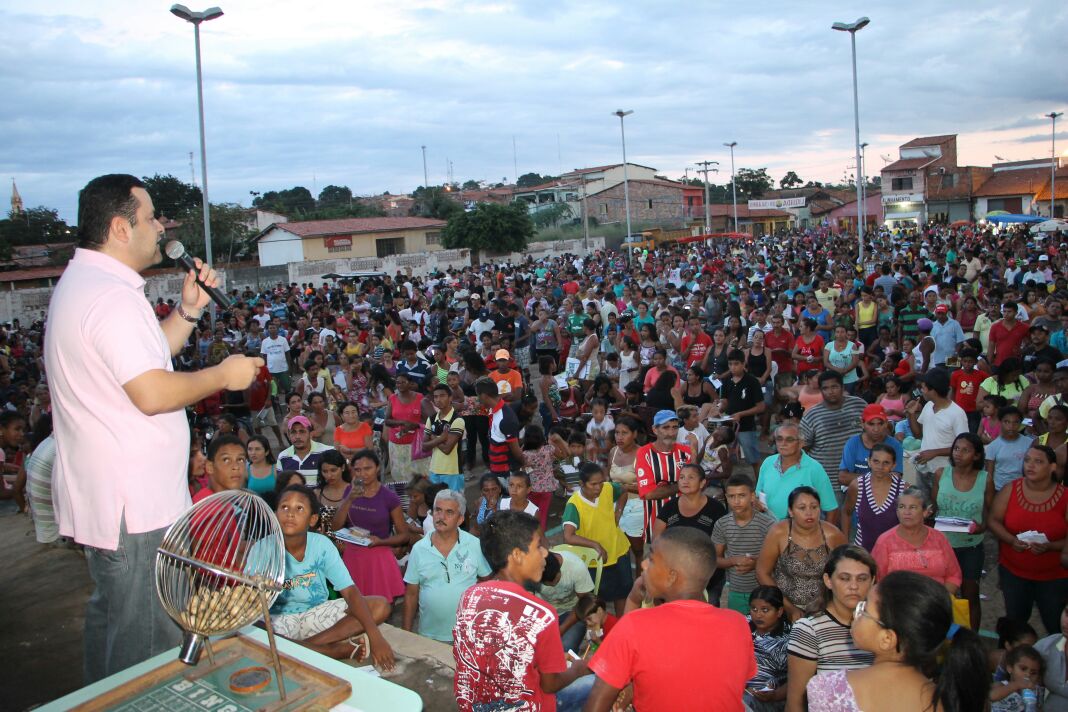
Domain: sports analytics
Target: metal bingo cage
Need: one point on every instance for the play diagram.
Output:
(220, 568)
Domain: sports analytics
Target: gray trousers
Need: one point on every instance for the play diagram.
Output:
(124, 621)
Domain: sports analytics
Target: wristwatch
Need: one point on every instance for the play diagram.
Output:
(185, 315)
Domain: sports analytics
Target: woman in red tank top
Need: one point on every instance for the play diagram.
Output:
(1031, 573)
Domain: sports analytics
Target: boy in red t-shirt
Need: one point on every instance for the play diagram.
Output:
(965, 384)
(679, 566)
(507, 641)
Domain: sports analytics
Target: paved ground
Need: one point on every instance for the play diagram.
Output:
(42, 609)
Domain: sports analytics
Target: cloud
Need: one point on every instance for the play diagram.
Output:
(347, 92)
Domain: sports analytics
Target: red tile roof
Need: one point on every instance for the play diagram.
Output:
(350, 226)
(1062, 186)
(906, 164)
(1024, 181)
(929, 141)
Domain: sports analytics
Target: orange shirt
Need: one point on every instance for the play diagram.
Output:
(507, 382)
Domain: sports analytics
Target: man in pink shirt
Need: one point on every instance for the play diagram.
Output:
(122, 441)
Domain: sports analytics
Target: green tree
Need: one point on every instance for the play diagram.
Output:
(433, 202)
(550, 214)
(752, 182)
(529, 179)
(172, 197)
(790, 180)
(502, 228)
(334, 196)
(471, 185)
(230, 232)
(293, 202)
(36, 226)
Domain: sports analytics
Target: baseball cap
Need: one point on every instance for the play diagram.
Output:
(298, 420)
(873, 412)
(941, 309)
(664, 416)
(502, 354)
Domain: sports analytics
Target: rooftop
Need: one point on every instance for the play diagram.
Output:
(1062, 186)
(929, 141)
(907, 164)
(1026, 181)
(351, 226)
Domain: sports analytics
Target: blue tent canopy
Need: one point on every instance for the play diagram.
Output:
(1015, 219)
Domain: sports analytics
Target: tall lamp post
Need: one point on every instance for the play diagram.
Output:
(734, 186)
(196, 18)
(852, 28)
(708, 214)
(863, 188)
(426, 176)
(626, 188)
(1053, 116)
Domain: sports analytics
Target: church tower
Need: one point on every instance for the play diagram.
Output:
(16, 199)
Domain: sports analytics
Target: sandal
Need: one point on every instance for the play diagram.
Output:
(361, 647)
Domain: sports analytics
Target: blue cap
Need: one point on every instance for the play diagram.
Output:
(663, 416)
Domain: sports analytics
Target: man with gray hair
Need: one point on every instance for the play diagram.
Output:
(441, 567)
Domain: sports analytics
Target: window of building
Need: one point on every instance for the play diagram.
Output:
(689, 201)
(339, 248)
(433, 238)
(949, 180)
(604, 208)
(390, 246)
(901, 184)
(1009, 205)
(649, 203)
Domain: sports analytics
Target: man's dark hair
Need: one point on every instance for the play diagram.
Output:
(101, 200)
(441, 387)
(938, 382)
(10, 417)
(486, 386)
(219, 441)
(736, 355)
(691, 551)
(506, 532)
(828, 376)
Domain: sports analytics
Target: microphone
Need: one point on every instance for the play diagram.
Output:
(176, 251)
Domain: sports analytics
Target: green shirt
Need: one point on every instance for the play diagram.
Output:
(443, 580)
(776, 485)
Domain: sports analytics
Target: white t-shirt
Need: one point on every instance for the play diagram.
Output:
(574, 580)
(941, 428)
(274, 350)
(506, 503)
(262, 319)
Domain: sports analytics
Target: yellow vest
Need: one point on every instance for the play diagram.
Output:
(866, 315)
(599, 524)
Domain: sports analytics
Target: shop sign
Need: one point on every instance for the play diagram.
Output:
(777, 203)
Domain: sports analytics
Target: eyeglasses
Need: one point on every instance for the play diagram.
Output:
(860, 612)
(448, 580)
(786, 439)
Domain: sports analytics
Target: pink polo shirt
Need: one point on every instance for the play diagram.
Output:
(110, 457)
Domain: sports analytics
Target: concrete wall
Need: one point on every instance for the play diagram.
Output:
(279, 247)
(420, 264)
(542, 250)
(416, 240)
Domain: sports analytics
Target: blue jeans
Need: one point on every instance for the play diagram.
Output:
(749, 441)
(573, 697)
(124, 621)
(453, 482)
(572, 638)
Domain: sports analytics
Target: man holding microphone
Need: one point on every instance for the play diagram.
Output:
(122, 440)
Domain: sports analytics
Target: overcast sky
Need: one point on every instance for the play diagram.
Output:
(347, 92)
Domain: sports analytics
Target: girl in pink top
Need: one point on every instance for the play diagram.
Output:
(914, 546)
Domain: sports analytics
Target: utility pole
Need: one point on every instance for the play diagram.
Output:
(426, 175)
(585, 218)
(708, 210)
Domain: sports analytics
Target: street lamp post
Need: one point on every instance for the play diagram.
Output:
(426, 176)
(708, 214)
(1053, 116)
(734, 186)
(196, 18)
(863, 188)
(626, 187)
(852, 28)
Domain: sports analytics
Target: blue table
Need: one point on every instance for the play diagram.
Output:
(369, 693)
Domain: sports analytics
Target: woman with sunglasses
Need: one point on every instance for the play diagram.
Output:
(906, 624)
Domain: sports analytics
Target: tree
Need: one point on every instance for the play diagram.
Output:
(753, 182)
(433, 202)
(172, 197)
(530, 179)
(36, 226)
(502, 228)
(550, 214)
(790, 180)
(294, 202)
(230, 232)
(471, 185)
(334, 196)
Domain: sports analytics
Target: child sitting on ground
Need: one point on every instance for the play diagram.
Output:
(599, 623)
(345, 627)
(1025, 668)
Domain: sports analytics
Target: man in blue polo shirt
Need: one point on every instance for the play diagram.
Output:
(440, 568)
(791, 468)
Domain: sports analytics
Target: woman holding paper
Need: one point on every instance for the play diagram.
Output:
(1028, 519)
(914, 546)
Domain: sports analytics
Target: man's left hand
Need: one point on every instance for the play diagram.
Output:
(193, 297)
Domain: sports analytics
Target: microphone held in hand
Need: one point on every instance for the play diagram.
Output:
(176, 251)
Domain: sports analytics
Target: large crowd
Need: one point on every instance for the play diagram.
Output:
(770, 472)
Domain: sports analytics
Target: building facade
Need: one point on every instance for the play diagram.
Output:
(283, 243)
(904, 182)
